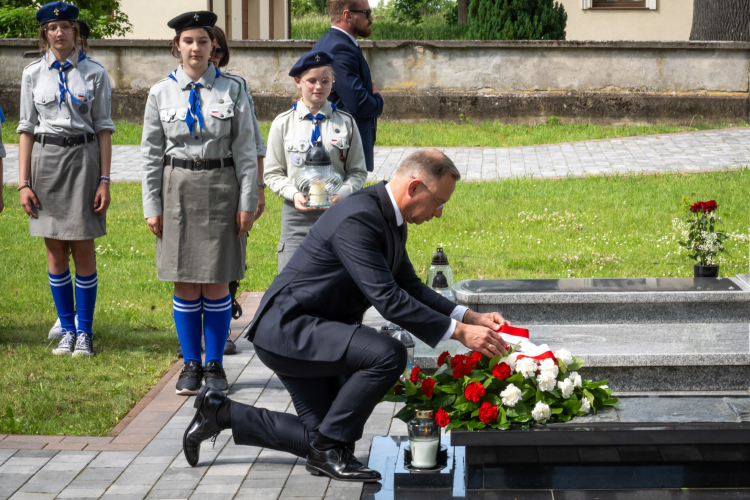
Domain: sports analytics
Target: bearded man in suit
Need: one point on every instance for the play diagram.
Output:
(308, 328)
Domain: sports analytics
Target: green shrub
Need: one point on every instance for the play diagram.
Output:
(104, 17)
(516, 20)
(432, 27)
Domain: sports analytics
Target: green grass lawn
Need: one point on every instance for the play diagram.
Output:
(434, 27)
(450, 134)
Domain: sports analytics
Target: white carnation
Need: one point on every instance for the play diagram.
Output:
(540, 412)
(546, 381)
(549, 366)
(564, 356)
(585, 405)
(605, 386)
(575, 378)
(527, 366)
(566, 387)
(510, 361)
(511, 395)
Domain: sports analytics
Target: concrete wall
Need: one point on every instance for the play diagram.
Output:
(511, 81)
(671, 20)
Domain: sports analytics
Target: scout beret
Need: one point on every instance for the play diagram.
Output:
(57, 11)
(193, 20)
(314, 59)
(83, 28)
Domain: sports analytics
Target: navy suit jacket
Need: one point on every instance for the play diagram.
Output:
(352, 90)
(353, 257)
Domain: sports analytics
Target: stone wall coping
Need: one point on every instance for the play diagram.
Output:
(438, 44)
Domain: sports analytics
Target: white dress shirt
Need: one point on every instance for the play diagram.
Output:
(459, 311)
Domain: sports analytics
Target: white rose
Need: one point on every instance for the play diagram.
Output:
(541, 412)
(585, 405)
(575, 378)
(527, 366)
(564, 356)
(511, 395)
(546, 381)
(549, 366)
(566, 387)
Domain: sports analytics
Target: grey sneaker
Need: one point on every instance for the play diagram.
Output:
(84, 346)
(56, 332)
(66, 345)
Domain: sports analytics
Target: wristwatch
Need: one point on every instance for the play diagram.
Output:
(261, 184)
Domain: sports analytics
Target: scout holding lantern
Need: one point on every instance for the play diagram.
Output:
(312, 119)
(200, 192)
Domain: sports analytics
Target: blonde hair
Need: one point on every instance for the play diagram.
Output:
(44, 43)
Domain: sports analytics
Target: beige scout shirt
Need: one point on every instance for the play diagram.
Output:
(41, 112)
(288, 141)
(228, 120)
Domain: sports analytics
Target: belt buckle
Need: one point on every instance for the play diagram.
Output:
(70, 141)
(199, 164)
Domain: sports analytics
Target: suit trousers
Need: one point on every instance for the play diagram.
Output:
(332, 397)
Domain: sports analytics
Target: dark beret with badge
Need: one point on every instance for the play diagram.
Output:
(193, 20)
(83, 28)
(57, 11)
(314, 59)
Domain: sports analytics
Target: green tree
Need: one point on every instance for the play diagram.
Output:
(104, 17)
(516, 20)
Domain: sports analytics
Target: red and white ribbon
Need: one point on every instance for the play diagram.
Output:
(519, 337)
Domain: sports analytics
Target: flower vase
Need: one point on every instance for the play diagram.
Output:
(706, 271)
(424, 440)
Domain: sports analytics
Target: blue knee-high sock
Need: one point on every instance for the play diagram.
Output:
(62, 294)
(86, 301)
(216, 317)
(187, 319)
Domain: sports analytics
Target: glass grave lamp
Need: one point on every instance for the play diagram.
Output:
(318, 181)
(440, 285)
(440, 263)
(405, 338)
(424, 440)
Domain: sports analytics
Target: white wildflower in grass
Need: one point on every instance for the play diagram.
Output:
(585, 405)
(527, 367)
(566, 388)
(511, 396)
(549, 366)
(564, 356)
(575, 378)
(546, 381)
(541, 412)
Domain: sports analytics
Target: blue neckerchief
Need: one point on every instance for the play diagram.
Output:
(62, 83)
(194, 109)
(315, 120)
(81, 56)
(2, 116)
(218, 73)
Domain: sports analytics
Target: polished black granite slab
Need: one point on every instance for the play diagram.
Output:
(572, 285)
(439, 477)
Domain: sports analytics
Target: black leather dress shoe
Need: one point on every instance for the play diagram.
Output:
(204, 425)
(340, 464)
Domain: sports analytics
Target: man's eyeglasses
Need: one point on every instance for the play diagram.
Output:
(367, 12)
(440, 204)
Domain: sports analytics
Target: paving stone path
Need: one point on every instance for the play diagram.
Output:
(688, 152)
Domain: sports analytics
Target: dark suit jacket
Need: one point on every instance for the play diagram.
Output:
(352, 90)
(353, 257)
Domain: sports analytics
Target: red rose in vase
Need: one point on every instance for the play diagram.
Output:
(441, 358)
(457, 359)
(461, 370)
(442, 418)
(474, 392)
(415, 374)
(501, 371)
(428, 386)
(487, 413)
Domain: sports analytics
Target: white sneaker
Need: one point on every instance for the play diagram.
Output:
(66, 345)
(56, 332)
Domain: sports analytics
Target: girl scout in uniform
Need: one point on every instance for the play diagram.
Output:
(200, 189)
(64, 154)
(311, 118)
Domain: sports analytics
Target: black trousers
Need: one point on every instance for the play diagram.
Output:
(370, 366)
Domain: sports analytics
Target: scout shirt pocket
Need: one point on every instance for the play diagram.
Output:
(46, 105)
(340, 145)
(85, 102)
(173, 122)
(219, 118)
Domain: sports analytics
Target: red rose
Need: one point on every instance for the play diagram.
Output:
(428, 385)
(487, 413)
(442, 418)
(474, 358)
(710, 206)
(501, 371)
(456, 360)
(461, 370)
(398, 390)
(695, 207)
(415, 375)
(474, 392)
(441, 358)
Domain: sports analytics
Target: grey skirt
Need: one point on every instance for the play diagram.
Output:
(199, 242)
(294, 227)
(65, 180)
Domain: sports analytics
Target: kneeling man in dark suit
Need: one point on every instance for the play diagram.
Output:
(308, 328)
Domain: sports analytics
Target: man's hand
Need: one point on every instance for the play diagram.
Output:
(480, 339)
(28, 198)
(156, 225)
(491, 320)
(261, 203)
(244, 222)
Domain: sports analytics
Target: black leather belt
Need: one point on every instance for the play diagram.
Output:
(58, 140)
(199, 164)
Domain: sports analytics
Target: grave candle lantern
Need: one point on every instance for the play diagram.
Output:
(318, 181)
(440, 263)
(440, 285)
(424, 440)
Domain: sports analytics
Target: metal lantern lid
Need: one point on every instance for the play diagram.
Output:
(439, 258)
(400, 334)
(317, 156)
(440, 280)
